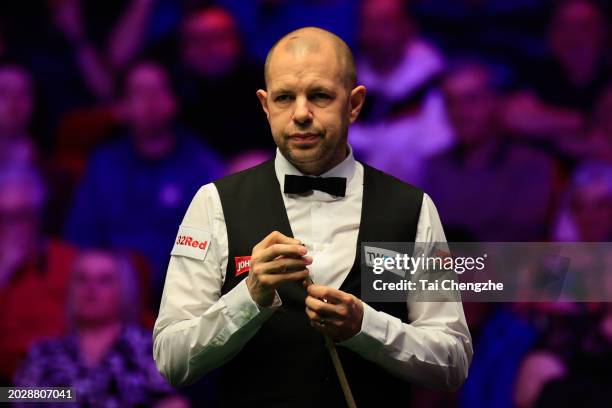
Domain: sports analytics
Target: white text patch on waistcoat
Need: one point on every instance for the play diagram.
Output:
(191, 242)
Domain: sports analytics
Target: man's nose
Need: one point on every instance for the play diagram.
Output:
(302, 113)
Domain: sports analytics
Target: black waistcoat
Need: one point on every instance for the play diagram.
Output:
(286, 363)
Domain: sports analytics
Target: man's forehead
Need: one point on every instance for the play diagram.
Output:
(305, 77)
(304, 67)
(308, 82)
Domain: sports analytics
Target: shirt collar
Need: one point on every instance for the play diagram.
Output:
(345, 169)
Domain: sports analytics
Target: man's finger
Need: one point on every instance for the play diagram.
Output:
(284, 265)
(319, 321)
(325, 309)
(331, 295)
(276, 250)
(276, 237)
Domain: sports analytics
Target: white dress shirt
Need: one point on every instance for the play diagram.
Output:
(198, 330)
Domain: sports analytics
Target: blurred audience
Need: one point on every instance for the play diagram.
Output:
(217, 84)
(577, 71)
(137, 188)
(487, 187)
(33, 268)
(53, 40)
(569, 365)
(403, 120)
(16, 105)
(563, 90)
(586, 210)
(104, 355)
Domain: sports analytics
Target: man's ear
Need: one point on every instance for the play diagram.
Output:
(262, 96)
(357, 98)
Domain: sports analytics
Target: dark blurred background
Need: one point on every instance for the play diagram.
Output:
(113, 113)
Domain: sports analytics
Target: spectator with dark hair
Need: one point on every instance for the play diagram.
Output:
(404, 113)
(217, 83)
(16, 105)
(33, 268)
(137, 188)
(105, 356)
(487, 187)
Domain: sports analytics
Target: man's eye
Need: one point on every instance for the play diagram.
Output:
(321, 95)
(282, 98)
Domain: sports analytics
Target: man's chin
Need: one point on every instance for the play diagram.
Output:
(304, 156)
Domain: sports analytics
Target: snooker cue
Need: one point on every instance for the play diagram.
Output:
(331, 347)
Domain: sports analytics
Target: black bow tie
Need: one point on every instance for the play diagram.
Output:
(302, 184)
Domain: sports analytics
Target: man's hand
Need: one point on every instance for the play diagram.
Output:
(276, 259)
(333, 312)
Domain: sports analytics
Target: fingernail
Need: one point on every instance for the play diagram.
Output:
(303, 250)
(308, 259)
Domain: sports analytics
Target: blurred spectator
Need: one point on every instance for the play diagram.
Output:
(570, 364)
(564, 88)
(137, 188)
(487, 188)
(33, 268)
(76, 48)
(105, 356)
(596, 143)
(578, 71)
(586, 214)
(403, 121)
(217, 84)
(16, 104)
(505, 339)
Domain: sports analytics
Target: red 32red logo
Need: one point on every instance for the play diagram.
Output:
(186, 240)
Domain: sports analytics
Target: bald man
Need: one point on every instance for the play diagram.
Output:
(236, 296)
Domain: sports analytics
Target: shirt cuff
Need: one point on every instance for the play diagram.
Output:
(372, 334)
(241, 308)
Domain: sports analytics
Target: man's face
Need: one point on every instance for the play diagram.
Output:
(471, 105)
(149, 101)
(591, 207)
(15, 100)
(210, 43)
(96, 289)
(384, 28)
(309, 107)
(577, 35)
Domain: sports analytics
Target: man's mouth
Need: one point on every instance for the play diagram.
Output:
(305, 138)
